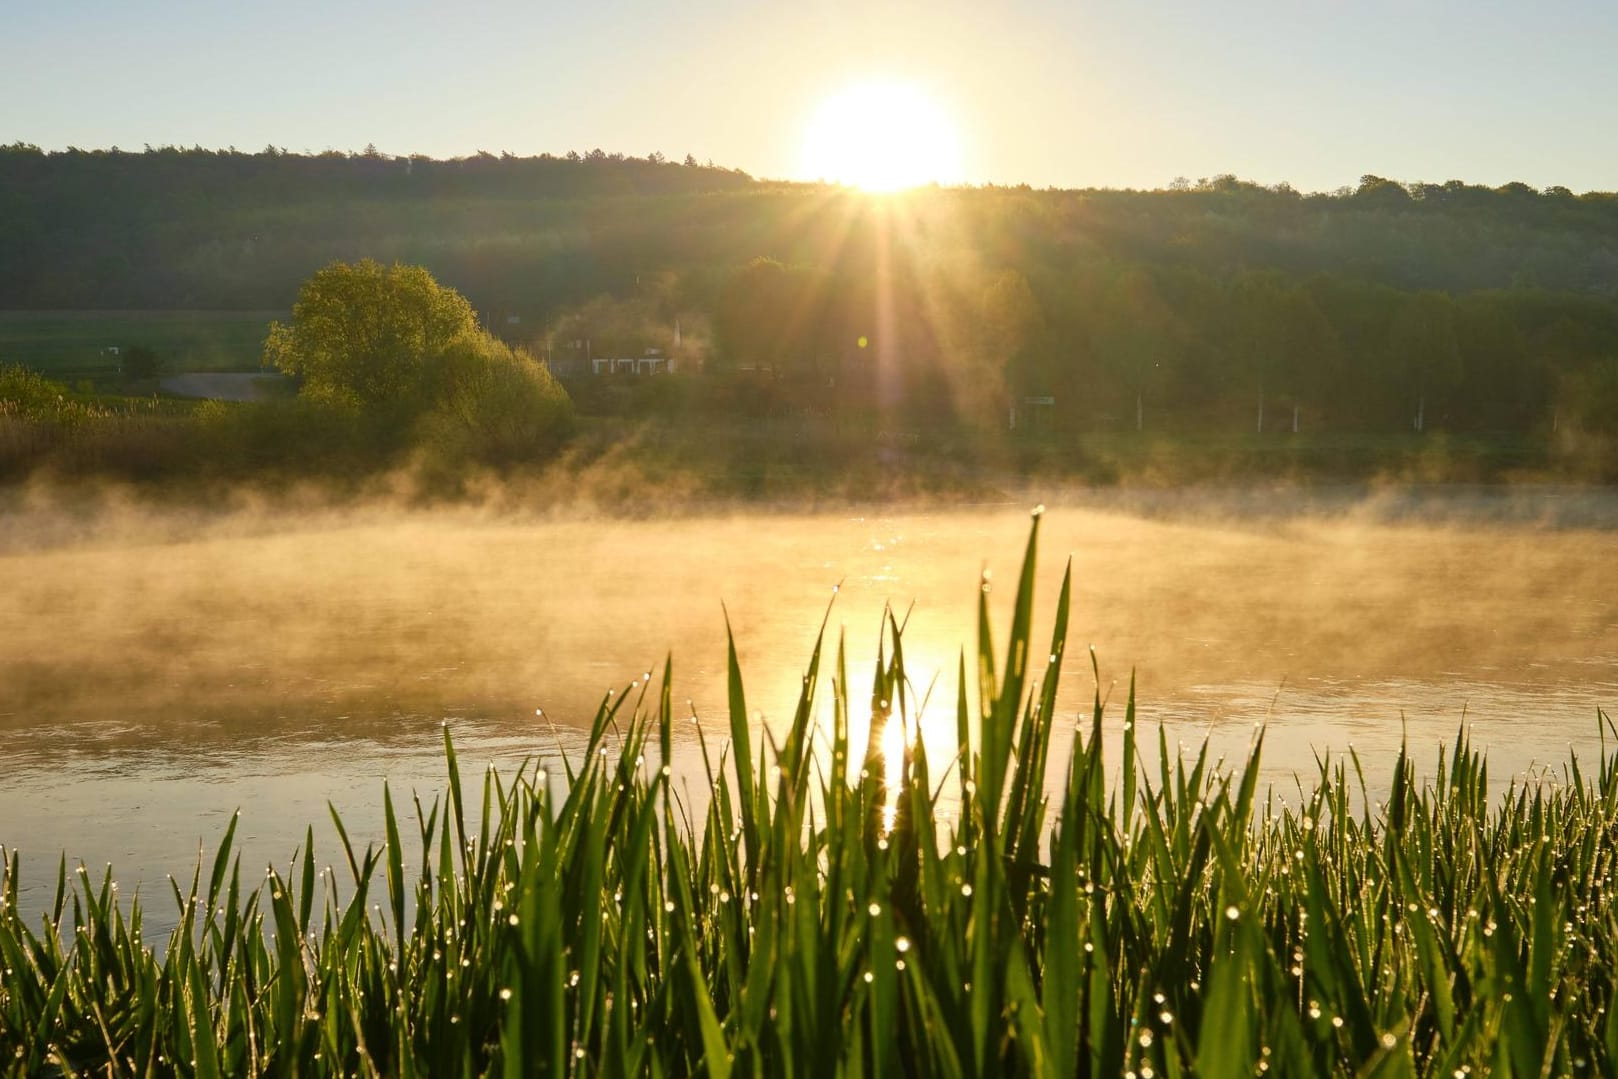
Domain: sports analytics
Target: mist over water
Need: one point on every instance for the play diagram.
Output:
(162, 668)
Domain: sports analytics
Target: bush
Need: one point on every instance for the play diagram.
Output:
(28, 395)
(491, 405)
(141, 362)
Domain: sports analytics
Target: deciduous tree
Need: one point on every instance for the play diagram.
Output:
(363, 333)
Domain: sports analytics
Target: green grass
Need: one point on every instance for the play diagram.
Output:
(811, 918)
(71, 345)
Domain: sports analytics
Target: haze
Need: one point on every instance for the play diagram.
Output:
(150, 626)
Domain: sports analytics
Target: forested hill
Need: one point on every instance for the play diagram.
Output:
(1383, 307)
(177, 228)
(174, 227)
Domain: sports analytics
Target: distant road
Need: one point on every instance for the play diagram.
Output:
(220, 386)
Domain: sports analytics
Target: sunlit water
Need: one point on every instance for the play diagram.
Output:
(159, 672)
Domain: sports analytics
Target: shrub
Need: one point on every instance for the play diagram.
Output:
(491, 405)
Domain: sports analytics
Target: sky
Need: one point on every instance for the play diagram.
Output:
(1124, 93)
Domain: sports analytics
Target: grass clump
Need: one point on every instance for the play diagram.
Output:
(826, 912)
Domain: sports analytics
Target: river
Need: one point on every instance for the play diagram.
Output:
(162, 669)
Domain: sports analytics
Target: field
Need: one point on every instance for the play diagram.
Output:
(839, 908)
(71, 346)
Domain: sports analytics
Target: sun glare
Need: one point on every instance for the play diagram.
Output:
(882, 137)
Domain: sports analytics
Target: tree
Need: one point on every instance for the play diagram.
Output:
(363, 333)
(1282, 339)
(1589, 398)
(1008, 317)
(771, 316)
(1423, 348)
(408, 354)
(1134, 333)
(140, 362)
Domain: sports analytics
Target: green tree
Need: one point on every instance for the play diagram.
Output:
(362, 333)
(408, 353)
(1135, 334)
(1282, 339)
(1589, 398)
(140, 362)
(776, 317)
(1424, 349)
(1001, 325)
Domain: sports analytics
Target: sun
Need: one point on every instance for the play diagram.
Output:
(882, 136)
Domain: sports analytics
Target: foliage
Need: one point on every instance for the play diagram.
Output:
(1459, 304)
(28, 395)
(364, 333)
(406, 357)
(141, 361)
(1591, 398)
(819, 910)
(492, 405)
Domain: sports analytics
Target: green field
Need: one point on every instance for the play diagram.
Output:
(74, 345)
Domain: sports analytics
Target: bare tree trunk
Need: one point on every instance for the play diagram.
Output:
(1140, 411)
(1421, 414)
(1261, 408)
(1294, 417)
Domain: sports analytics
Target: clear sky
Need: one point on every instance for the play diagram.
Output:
(1115, 94)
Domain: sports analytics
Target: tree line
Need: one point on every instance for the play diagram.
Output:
(1218, 303)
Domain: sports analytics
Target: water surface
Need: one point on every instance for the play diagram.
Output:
(161, 670)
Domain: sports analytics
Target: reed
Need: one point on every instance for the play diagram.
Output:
(821, 914)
